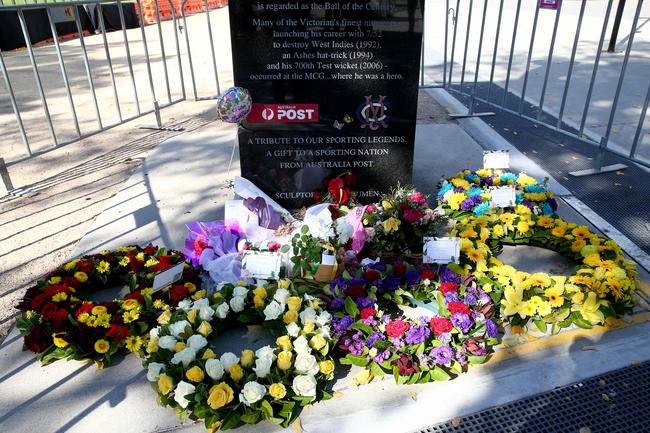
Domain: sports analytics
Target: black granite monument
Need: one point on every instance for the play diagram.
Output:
(334, 85)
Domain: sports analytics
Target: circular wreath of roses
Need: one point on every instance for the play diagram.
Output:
(601, 286)
(58, 323)
(271, 383)
(467, 193)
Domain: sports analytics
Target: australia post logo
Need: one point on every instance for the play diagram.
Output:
(283, 113)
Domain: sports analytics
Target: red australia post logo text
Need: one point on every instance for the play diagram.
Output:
(282, 113)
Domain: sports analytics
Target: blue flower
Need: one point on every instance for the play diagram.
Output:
(547, 209)
(535, 188)
(481, 209)
(474, 191)
(470, 177)
(508, 176)
(520, 198)
(443, 189)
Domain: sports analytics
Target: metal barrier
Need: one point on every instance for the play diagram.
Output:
(126, 101)
(546, 66)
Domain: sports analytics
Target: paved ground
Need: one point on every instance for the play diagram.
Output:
(634, 88)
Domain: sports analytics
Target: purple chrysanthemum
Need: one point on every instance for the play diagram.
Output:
(491, 328)
(442, 354)
(462, 321)
(417, 334)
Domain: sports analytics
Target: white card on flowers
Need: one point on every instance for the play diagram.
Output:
(502, 196)
(168, 277)
(261, 264)
(235, 210)
(496, 159)
(441, 250)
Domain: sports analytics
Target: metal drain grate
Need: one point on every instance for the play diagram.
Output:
(616, 402)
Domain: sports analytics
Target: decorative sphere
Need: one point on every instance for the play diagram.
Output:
(234, 105)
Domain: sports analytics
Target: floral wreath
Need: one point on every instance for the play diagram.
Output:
(271, 383)
(461, 332)
(467, 192)
(601, 286)
(57, 323)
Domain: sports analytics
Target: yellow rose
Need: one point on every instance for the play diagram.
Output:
(99, 309)
(236, 372)
(308, 327)
(165, 317)
(523, 226)
(82, 277)
(326, 367)
(179, 346)
(277, 391)
(284, 342)
(165, 384)
(195, 374)
(247, 358)
(199, 295)
(102, 346)
(191, 316)
(362, 378)
(290, 316)
(284, 283)
(258, 301)
(59, 342)
(214, 427)
(386, 204)
(317, 342)
(152, 345)
(204, 329)
(294, 302)
(284, 360)
(220, 395)
(208, 354)
(260, 292)
(190, 287)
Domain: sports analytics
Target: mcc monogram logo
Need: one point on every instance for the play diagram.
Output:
(372, 113)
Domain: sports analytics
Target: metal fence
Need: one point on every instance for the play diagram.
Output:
(548, 66)
(134, 81)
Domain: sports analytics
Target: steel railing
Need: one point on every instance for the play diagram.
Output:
(540, 38)
(139, 67)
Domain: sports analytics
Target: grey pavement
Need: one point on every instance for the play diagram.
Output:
(182, 180)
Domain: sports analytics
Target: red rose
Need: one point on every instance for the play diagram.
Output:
(86, 307)
(372, 275)
(163, 264)
(397, 328)
(178, 293)
(58, 319)
(356, 291)
(338, 190)
(56, 288)
(71, 282)
(150, 250)
(458, 307)
(39, 300)
(448, 287)
(412, 215)
(428, 274)
(135, 295)
(86, 267)
(49, 310)
(367, 312)
(118, 333)
(38, 339)
(440, 325)
(399, 269)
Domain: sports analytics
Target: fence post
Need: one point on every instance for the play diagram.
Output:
(617, 24)
(7, 186)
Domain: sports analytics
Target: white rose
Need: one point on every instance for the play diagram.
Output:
(228, 359)
(262, 367)
(167, 342)
(178, 328)
(308, 297)
(252, 392)
(182, 389)
(324, 318)
(237, 304)
(265, 352)
(222, 310)
(281, 296)
(203, 302)
(240, 291)
(153, 372)
(304, 385)
(308, 315)
(293, 330)
(306, 364)
(185, 356)
(153, 333)
(324, 331)
(214, 368)
(300, 345)
(272, 311)
(197, 342)
(185, 304)
(206, 313)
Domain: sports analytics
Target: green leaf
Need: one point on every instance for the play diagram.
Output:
(274, 420)
(582, 323)
(555, 328)
(476, 359)
(414, 378)
(361, 327)
(304, 229)
(358, 360)
(376, 370)
(250, 418)
(439, 374)
(285, 248)
(286, 409)
(267, 409)
(351, 307)
(541, 325)
(201, 410)
(344, 361)
(231, 420)
(419, 349)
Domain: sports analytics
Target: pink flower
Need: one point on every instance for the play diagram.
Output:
(418, 198)
(412, 215)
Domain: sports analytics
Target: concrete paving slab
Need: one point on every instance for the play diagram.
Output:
(186, 174)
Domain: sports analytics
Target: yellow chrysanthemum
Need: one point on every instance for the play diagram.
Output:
(540, 279)
(133, 343)
(545, 221)
(456, 199)
(468, 233)
(103, 267)
(458, 182)
(554, 295)
(102, 346)
(525, 180)
(592, 260)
